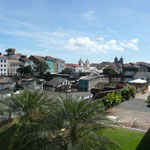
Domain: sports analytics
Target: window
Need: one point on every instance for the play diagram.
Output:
(4, 69)
(4, 61)
(1, 69)
(1, 60)
(4, 65)
(1, 65)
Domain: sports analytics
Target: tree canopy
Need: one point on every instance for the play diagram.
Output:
(42, 66)
(39, 123)
(109, 71)
(25, 70)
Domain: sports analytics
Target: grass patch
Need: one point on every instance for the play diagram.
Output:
(128, 139)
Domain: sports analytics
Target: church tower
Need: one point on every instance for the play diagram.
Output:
(80, 62)
(115, 60)
(87, 63)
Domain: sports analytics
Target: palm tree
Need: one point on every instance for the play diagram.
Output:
(22, 110)
(66, 124)
(75, 125)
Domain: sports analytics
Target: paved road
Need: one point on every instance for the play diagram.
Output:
(135, 104)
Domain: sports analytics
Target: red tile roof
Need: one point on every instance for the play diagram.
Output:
(76, 65)
(59, 59)
(38, 57)
(26, 59)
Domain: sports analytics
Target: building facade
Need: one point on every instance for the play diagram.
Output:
(50, 63)
(13, 66)
(129, 73)
(27, 62)
(61, 65)
(87, 83)
(86, 64)
(3, 66)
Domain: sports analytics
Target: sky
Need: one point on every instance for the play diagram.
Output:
(72, 29)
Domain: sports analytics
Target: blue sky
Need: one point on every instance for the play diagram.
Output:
(71, 29)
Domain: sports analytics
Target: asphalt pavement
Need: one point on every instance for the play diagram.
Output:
(138, 104)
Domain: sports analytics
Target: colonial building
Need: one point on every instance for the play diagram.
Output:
(36, 58)
(129, 73)
(86, 83)
(86, 64)
(3, 65)
(118, 61)
(50, 63)
(26, 61)
(57, 84)
(13, 65)
(61, 65)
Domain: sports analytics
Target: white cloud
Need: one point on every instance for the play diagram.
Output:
(100, 45)
(100, 38)
(88, 15)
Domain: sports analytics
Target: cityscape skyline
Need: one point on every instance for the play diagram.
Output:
(97, 30)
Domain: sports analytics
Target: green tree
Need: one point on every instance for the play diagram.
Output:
(22, 110)
(40, 124)
(25, 71)
(109, 72)
(67, 71)
(42, 66)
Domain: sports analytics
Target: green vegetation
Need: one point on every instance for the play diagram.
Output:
(127, 139)
(109, 72)
(42, 66)
(128, 92)
(148, 99)
(25, 71)
(40, 123)
(117, 97)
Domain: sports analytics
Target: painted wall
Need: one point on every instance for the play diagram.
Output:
(61, 66)
(50, 65)
(83, 85)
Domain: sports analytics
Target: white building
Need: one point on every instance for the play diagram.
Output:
(61, 65)
(3, 66)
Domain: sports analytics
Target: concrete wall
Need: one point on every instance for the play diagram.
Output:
(10, 85)
(95, 81)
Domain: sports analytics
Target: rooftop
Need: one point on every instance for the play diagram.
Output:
(38, 57)
(26, 59)
(56, 81)
(14, 61)
(89, 77)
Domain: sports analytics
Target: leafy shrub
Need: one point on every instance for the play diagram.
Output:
(112, 99)
(125, 94)
(116, 98)
(132, 91)
(148, 99)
